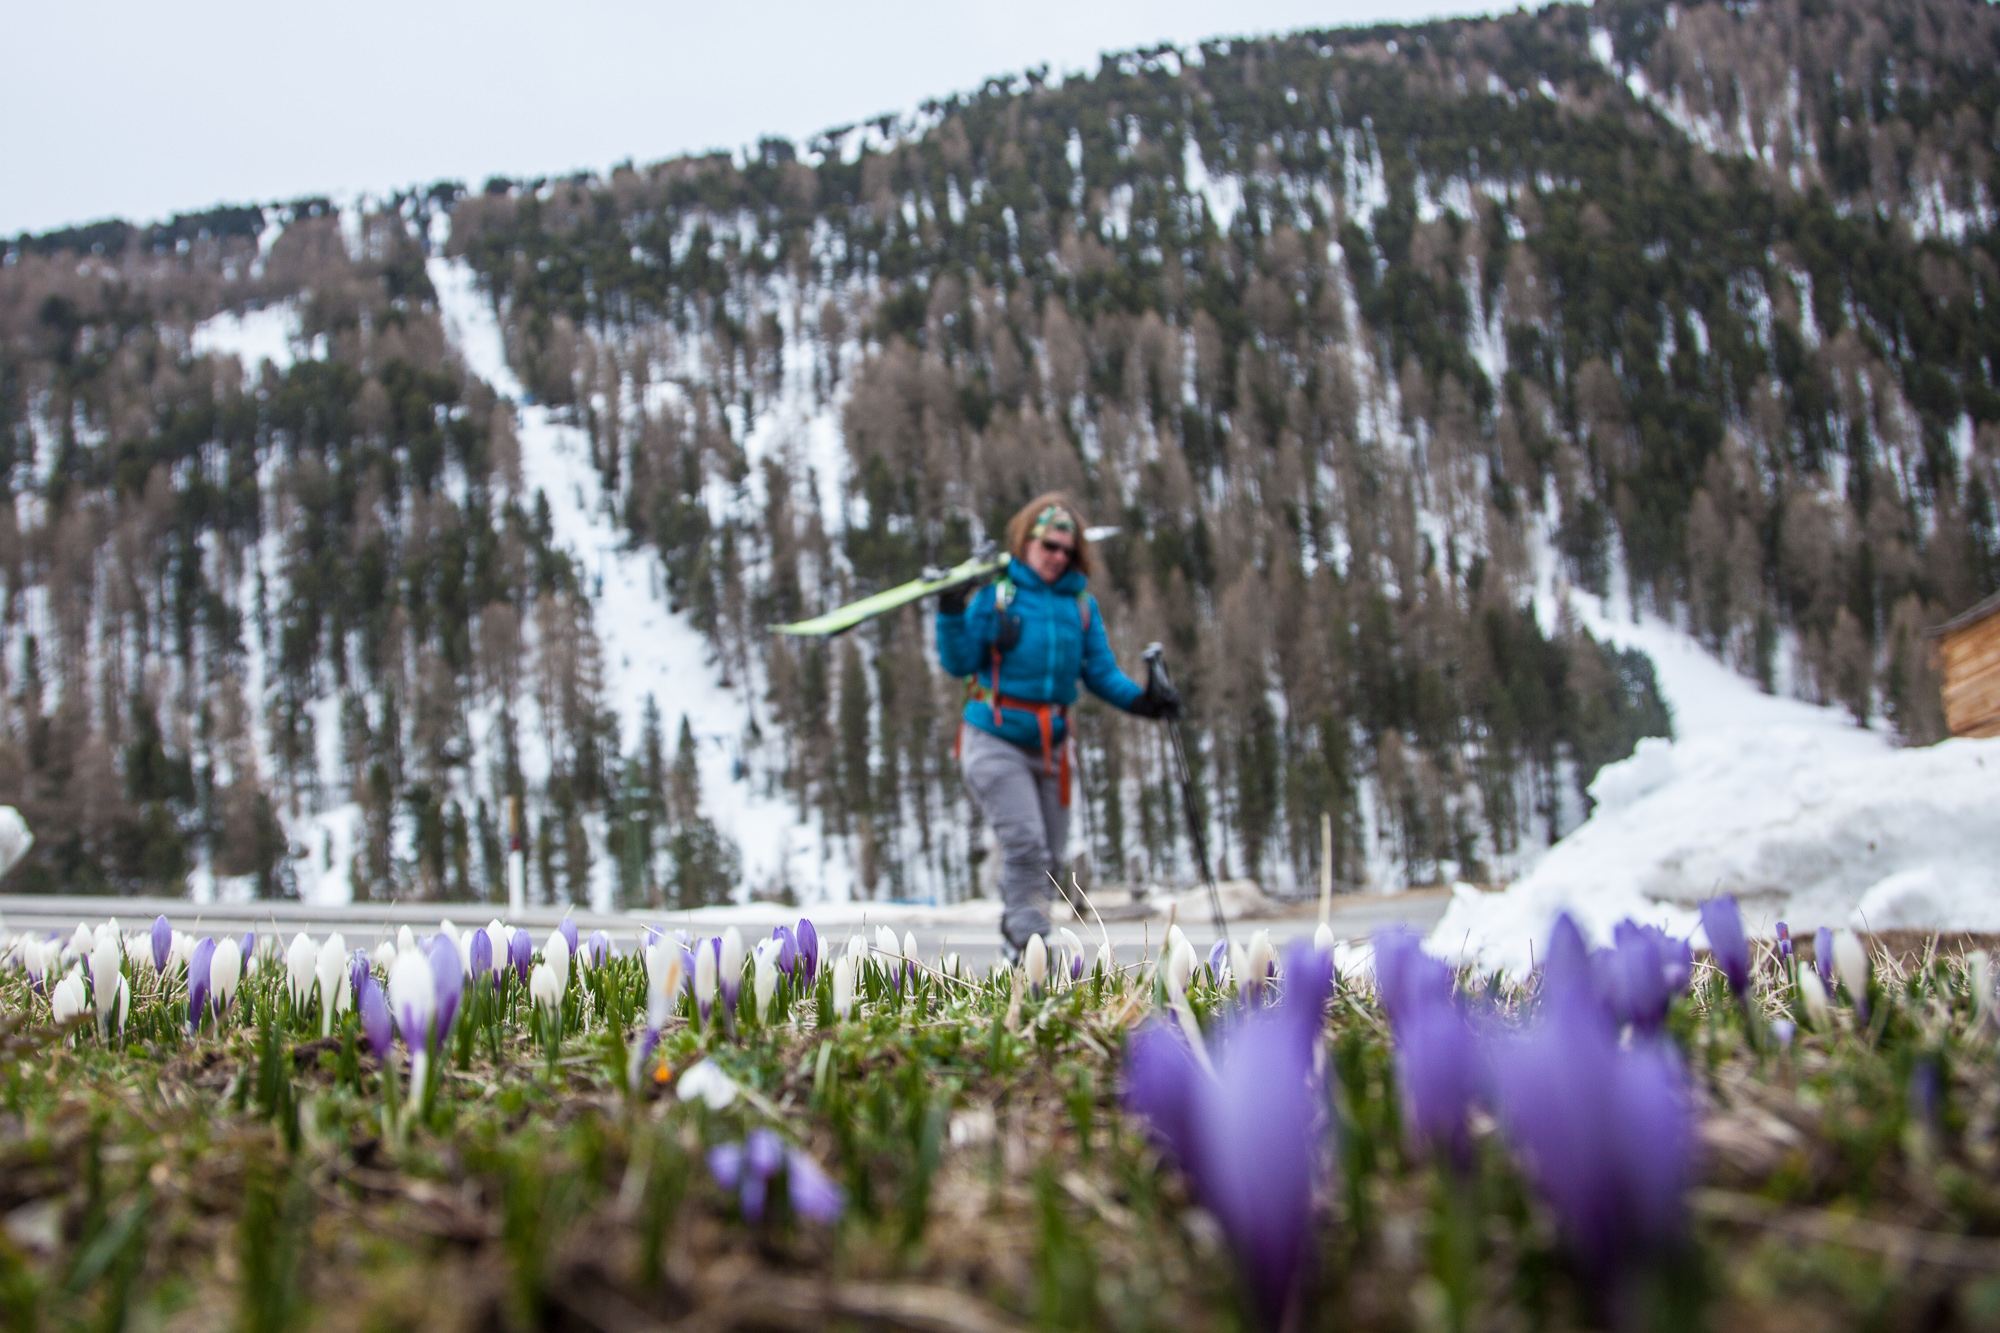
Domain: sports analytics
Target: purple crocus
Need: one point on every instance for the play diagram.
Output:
(1823, 955)
(375, 1024)
(248, 945)
(747, 1169)
(520, 953)
(1406, 976)
(788, 948)
(204, 952)
(357, 970)
(481, 950)
(808, 949)
(1784, 940)
(1635, 977)
(567, 929)
(448, 978)
(1248, 1136)
(1726, 942)
(1218, 958)
(1606, 1133)
(597, 951)
(163, 943)
(1441, 1072)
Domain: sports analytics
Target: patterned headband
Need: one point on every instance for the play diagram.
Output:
(1055, 518)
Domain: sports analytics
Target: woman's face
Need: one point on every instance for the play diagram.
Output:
(1049, 555)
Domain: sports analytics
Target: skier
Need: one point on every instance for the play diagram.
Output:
(1021, 642)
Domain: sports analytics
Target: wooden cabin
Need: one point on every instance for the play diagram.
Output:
(1967, 657)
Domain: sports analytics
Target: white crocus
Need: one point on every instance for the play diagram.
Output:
(1035, 961)
(81, 942)
(413, 1004)
(843, 986)
(952, 965)
(225, 970)
(1177, 937)
(331, 971)
(857, 947)
(182, 950)
(448, 930)
(764, 976)
(544, 990)
(124, 1002)
(465, 952)
(1323, 939)
(1979, 975)
(68, 998)
(1850, 963)
(1180, 966)
(384, 956)
(406, 941)
(300, 958)
(910, 947)
(1239, 966)
(705, 1080)
(887, 945)
(105, 956)
(729, 967)
(1814, 995)
(1072, 954)
(1263, 959)
(704, 975)
(496, 944)
(555, 956)
(1107, 962)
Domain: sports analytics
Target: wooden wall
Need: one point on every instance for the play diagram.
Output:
(1969, 660)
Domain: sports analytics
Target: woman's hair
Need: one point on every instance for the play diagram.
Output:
(1023, 528)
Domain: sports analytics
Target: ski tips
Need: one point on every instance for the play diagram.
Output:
(1099, 534)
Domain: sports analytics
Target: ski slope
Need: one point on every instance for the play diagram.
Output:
(647, 650)
(1801, 814)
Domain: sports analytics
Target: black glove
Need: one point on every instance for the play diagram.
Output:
(952, 601)
(1159, 700)
(1009, 633)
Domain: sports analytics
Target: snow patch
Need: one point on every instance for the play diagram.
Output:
(253, 337)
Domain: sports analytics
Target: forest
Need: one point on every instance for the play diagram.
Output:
(1377, 344)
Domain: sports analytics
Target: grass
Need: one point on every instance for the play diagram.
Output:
(248, 1177)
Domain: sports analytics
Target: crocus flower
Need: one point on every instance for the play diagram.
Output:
(888, 946)
(479, 953)
(1406, 976)
(385, 956)
(198, 971)
(331, 972)
(68, 998)
(248, 946)
(1323, 939)
(764, 976)
(1823, 955)
(1248, 1135)
(106, 955)
(788, 949)
(1106, 964)
(1634, 976)
(357, 968)
(225, 970)
(1180, 965)
(763, 1154)
(567, 929)
(1607, 1134)
(1726, 943)
(1035, 963)
(909, 957)
(1979, 978)
(413, 1001)
(1850, 960)
(557, 954)
(520, 953)
(375, 1024)
(300, 960)
(448, 980)
(1784, 940)
(704, 1079)
(704, 980)
(813, 1194)
(1218, 961)
(809, 949)
(1813, 992)
(729, 966)
(843, 986)
(1441, 1073)
(406, 941)
(1258, 961)
(597, 949)
(163, 943)
(543, 990)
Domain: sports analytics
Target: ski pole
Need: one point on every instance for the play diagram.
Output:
(1155, 656)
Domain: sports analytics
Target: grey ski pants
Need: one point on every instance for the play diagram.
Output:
(1021, 799)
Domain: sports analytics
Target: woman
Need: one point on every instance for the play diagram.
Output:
(1021, 642)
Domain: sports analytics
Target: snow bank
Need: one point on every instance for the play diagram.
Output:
(253, 337)
(1805, 817)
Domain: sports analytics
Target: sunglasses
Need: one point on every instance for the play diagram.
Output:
(1058, 548)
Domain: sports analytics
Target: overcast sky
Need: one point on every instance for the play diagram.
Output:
(140, 110)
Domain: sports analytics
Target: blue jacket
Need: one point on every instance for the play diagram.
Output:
(1044, 663)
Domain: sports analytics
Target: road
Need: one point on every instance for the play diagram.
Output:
(967, 928)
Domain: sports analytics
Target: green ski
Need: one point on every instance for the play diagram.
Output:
(842, 619)
(984, 564)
